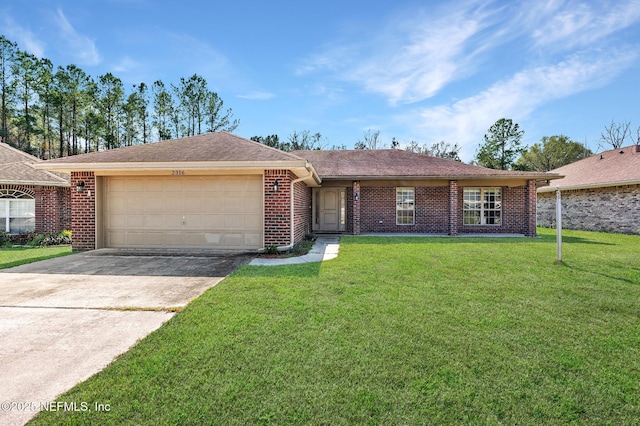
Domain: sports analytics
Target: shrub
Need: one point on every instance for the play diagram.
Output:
(272, 249)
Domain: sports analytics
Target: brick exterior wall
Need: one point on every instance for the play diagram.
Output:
(83, 212)
(378, 210)
(301, 210)
(438, 210)
(610, 209)
(52, 206)
(453, 207)
(356, 208)
(53, 209)
(277, 208)
(530, 206)
(514, 214)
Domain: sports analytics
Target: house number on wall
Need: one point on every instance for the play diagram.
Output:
(177, 172)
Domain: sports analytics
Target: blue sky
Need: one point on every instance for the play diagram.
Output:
(415, 70)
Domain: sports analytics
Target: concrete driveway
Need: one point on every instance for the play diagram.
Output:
(63, 320)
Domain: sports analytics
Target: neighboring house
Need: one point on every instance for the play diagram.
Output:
(31, 200)
(599, 193)
(221, 191)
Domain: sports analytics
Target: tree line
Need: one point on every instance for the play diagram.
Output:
(55, 112)
(503, 149)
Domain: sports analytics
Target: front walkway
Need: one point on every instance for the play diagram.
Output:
(325, 248)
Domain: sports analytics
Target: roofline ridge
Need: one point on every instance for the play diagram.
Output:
(262, 145)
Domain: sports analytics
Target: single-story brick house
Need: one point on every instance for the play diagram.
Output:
(599, 193)
(31, 200)
(221, 191)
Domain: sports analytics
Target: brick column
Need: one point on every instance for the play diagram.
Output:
(453, 207)
(83, 211)
(277, 208)
(530, 206)
(356, 207)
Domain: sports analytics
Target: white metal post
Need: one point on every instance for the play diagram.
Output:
(559, 223)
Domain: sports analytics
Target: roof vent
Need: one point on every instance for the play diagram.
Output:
(621, 152)
(601, 157)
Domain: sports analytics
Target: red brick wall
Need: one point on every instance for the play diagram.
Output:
(52, 206)
(277, 208)
(83, 212)
(356, 207)
(52, 213)
(515, 219)
(301, 210)
(454, 213)
(378, 210)
(531, 202)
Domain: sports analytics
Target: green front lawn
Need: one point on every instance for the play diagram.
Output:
(396, 331)
(20, 255)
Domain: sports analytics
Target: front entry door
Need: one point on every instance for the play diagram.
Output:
(329, 209)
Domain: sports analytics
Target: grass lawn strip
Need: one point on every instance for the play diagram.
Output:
(15, 256)
(396, 331)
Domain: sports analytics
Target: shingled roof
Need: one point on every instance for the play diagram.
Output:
(390, 163)
(221, 146)
(610, 168)
(16, 168)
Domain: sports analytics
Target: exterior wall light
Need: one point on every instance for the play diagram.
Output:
(276, 185)
(80, 186)
(356, 196)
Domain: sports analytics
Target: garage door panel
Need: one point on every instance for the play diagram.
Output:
(253, 239)
(154, 221)
(234, 222)
(214, 202)
(212, 221)
(135, 221)
(154, 204)
(184, 211)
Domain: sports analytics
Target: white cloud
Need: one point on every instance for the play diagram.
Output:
(466, 120)
(412, 58)
(81, 47)
(25, 38)
(573, 24)
(257, 96)
(126, 64)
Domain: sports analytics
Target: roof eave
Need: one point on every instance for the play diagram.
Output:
(170, 165)
(537, 177)
(588, 186)
(34, 183)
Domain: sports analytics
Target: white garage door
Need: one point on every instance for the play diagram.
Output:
(223, 212)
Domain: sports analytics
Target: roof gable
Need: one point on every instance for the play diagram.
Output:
(16, 167)
(614, 167)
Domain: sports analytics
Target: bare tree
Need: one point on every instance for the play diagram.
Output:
(371, 140)
(615, 134)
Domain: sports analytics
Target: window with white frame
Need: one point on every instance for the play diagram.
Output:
(482, 206)
(17, 212)
(405, 206)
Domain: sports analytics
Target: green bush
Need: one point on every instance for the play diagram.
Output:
(36, 240)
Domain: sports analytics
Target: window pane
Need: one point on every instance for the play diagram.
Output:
(482, 206)
(405, 204)
(22, 225)
(22, 208)
(471, 217)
